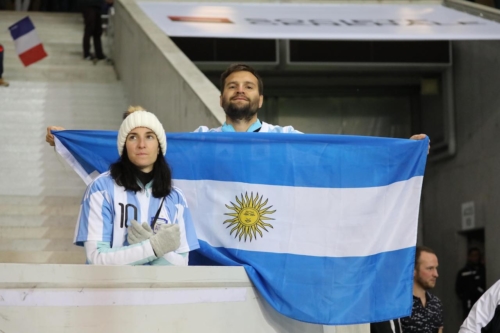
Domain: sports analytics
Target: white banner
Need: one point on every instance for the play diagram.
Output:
(319, 21)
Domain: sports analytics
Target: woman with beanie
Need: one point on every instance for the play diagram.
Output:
(137, 188)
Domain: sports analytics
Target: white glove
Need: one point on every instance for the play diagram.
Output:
(167, 239)
(138, 233)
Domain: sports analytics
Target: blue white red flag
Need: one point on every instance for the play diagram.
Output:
(29, 48)
(325, 225)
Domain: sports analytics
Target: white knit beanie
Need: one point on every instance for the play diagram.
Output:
(141, 119)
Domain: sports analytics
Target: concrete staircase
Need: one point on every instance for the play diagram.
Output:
(39, 194)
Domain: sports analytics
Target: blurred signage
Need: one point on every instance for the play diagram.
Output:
(319, 21)
(468, 215)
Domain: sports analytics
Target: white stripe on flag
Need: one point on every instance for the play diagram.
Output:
(26, 42)
(330, 222)
(73, 162)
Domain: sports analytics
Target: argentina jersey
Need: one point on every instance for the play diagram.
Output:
(256, 127)
(107, 210)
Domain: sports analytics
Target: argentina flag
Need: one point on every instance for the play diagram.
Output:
(325, 225)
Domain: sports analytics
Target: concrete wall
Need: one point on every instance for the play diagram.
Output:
(126, 299)
(472, 175)
(158, 76)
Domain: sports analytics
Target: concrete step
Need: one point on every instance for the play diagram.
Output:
(63, 64)
(64, 183)
(39, 193)
(57, 55)
(37, 233)
(56, 73)
(105, 99)
(42, 189)
(66, 210)
(35, 245)
(44, 201)
(45, 257)
(46, 221)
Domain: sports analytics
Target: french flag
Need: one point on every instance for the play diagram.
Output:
(28, 45)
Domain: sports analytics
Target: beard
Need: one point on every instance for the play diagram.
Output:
(237, 113)
(426, 285)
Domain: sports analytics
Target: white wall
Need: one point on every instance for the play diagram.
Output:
(158, 76)
(472, 175)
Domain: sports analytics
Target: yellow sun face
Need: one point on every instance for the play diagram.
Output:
(249, 216)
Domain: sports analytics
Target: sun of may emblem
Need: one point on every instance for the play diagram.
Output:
(249, 216)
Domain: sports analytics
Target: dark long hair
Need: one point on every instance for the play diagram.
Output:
(124, 173)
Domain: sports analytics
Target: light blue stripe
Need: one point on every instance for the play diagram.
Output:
(107, 218)
(328, 291)
(83, 224)
(191, 237)
(309, 160)
(327, 161)
(107, 208)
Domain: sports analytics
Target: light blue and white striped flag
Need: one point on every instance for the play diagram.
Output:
(325, 225)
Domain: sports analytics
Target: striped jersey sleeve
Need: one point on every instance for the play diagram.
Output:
(95, 219)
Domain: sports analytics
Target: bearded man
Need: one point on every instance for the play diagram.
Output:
(427, 312)
(241, 97)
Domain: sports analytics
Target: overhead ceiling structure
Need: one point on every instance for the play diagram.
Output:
(411, 21)
(317, 37)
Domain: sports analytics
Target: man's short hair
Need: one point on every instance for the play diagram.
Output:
(240, 68)
(419, 251)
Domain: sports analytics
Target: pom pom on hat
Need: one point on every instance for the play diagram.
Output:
(141, 119)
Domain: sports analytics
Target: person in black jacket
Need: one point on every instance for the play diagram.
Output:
(91, 10)
(2, 81)
(471, 281)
